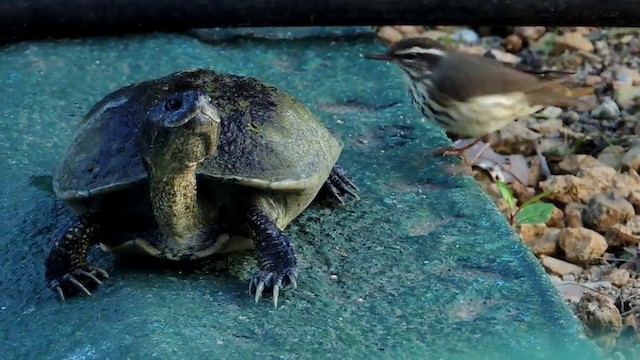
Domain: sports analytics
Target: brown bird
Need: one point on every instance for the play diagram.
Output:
(470, 95)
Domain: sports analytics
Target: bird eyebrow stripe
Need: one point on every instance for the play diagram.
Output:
(420, 50)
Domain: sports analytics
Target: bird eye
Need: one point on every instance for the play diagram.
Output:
(409, 56)
(173, 104)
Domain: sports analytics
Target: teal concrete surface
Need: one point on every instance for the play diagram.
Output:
(422, 267)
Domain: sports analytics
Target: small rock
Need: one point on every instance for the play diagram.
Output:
(634, 225)
(551, 112)
(607, 110)
(466, 36)
(504, 57)
(471, 49)
(595, 172)
(631, 159)
(556, 145)
(559, 267)
(557, 218)
(625, 72)
(568, 277)
(621, 235)
(515, 138)
(531, 33)
(567, 188)
(581, 245)
(573, 215)
(584, 30)
(590, 181)
(512, 43)
(601, 317)
(530, 233)
(619, 277)
(546, 244)
(389, 34)
(627, 96)
(410, 30)
(434, 34)
(605, 210)
(611, 156)
(592, 80)
(571, 41)
(634, 198)
(572, 164)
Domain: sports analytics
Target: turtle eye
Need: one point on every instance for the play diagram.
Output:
(173, 104)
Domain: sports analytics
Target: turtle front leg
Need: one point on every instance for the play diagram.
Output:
(67, 270)
(276, 256)
(337, 186)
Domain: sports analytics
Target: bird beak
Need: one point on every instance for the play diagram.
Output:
(386, 57)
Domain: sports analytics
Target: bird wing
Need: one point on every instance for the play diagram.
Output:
(463, 76)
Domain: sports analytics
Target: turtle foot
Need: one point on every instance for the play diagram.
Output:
(339, 185)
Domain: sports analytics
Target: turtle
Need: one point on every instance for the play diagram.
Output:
(188, 165)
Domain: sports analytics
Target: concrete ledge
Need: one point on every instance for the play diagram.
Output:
(425, 266)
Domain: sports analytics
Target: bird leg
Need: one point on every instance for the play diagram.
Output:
(453, 150)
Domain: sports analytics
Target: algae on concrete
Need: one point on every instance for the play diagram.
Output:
(422, 267)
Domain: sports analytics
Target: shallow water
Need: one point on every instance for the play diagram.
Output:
(426, 267)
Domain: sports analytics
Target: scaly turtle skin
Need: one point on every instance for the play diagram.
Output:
(188, 165)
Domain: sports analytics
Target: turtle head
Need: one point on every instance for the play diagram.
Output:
(180, 131)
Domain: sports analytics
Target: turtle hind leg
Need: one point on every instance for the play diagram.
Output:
(66, 268)
(276, 256)
(338, 185)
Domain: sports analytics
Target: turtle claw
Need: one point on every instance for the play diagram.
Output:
(339, 184)
(55, 285)
(77, 283)
(77, 280)
(271, 280)
(292, 280)
(259, 290)
(100, 271)
(90, 276)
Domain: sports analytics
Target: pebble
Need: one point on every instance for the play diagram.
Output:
(571, 41)
(631, 159)
(389, 34)
(612, 156)
(607, 110)
(559, 267)
(605, 210)
(599, 314)
(530, 33)
(581, 245)
(550, 112)
(626, 95)
(621, 235)
(545, 243)
(573, 214)
(592, 80)
(512, 43)
(466, 36)
(628, 73)
(619, 277)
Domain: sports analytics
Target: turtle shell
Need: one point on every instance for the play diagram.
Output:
(267, 138)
